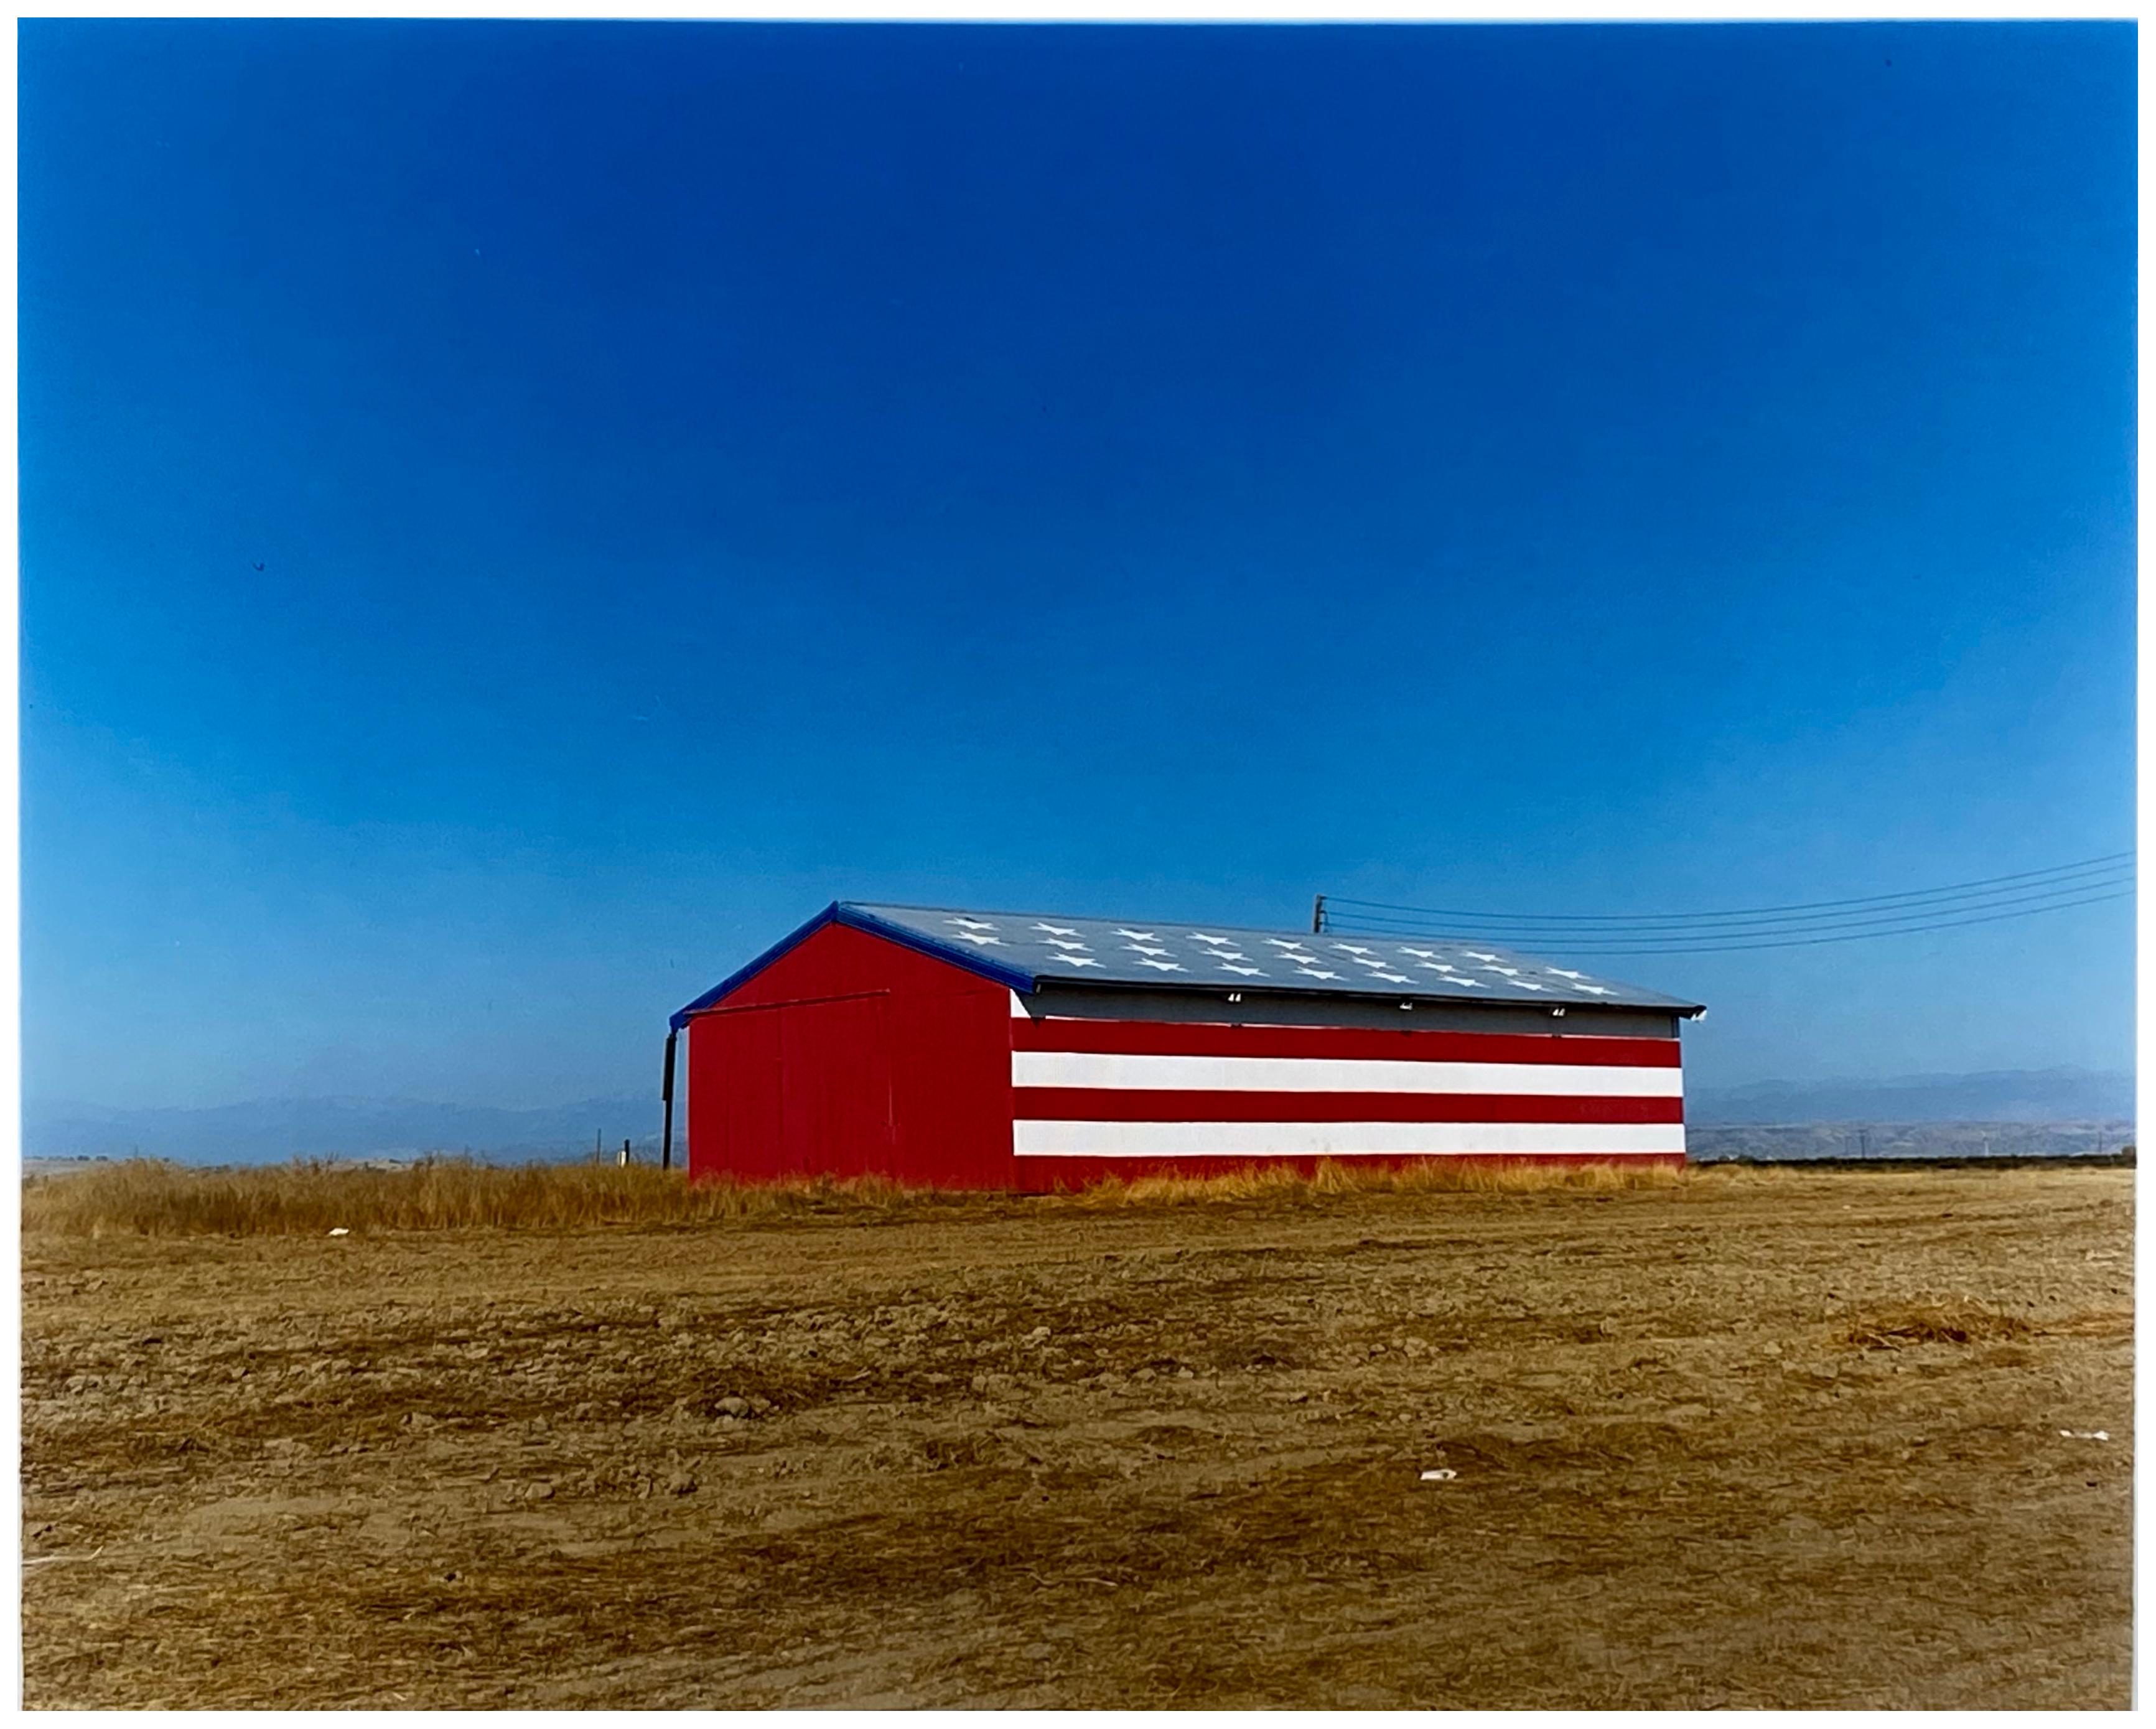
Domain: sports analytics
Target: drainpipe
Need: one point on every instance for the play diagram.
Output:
(666, 1092)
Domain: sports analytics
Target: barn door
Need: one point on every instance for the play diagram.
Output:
(835, 1063)
(795, 1088)
(744, 1100)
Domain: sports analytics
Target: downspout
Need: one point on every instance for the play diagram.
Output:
(666, 1093)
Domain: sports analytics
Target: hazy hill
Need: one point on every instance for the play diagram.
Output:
(268, 1130)
(2062, 1109)
(2008, 1095)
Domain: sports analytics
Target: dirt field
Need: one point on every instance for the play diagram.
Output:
(1712, 1445)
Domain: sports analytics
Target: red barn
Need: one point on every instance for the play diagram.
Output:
(1012, 1050)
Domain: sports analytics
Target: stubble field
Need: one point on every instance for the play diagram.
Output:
(1757, 1439)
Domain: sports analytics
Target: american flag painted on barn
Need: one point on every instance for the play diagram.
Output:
(982, 1049)
(1086, 1088)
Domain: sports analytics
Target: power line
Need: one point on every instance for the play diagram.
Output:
(2020, 894)
(1684, 943)
(1852, 936)
(2109, 862)
(2026, 887)
(1808, 924)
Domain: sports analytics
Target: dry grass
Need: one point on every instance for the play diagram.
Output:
(1961, 1321)
(1284, 1185)
(310, 1197)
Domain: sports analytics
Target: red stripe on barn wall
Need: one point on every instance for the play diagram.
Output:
(1103, 1104)
(851, 1054)
(1213, 1039)
(1041, 1176)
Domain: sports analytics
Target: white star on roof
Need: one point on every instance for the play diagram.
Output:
(1318, 972)
(1527, 984)
(1509, 972)
(1140, 948)
(1596, 990)
(1426, 953)
(1200, 937)
(1391, 977)
(1466, 983)
(1562, 974)
(1352, 948)
(1476, 954)
(1284, 942)
(1074, 960)
(1057, 930)
(971, 924)
(976, 937)
(1062, 942)
(1162, 966)
(1247, 972)
(1140, 936)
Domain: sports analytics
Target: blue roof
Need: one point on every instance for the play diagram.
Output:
(1025, 949)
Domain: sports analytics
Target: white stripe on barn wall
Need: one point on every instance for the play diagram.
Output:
(1036, 1138)
(1339, 1075)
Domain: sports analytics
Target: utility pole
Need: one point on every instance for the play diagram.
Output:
(1317, 916)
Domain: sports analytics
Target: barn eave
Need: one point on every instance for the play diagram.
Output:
(839, 912)
(1288, 993)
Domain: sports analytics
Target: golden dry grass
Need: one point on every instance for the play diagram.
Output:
(1283, 1184)
(154, 1198)
(1956, 1321)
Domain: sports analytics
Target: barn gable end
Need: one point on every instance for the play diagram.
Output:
(845, 1053)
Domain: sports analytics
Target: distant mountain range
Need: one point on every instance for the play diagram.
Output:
(271, 1130)
(2006, 1106)
(2015, 1095)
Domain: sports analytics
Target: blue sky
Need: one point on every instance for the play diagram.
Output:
(700, 472)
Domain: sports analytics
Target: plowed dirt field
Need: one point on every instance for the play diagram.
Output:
(1768, 1439)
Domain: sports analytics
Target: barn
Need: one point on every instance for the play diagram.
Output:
(1036, 1051)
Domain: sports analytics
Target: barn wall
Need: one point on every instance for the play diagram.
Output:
(851, 1054)
(1092, 1097)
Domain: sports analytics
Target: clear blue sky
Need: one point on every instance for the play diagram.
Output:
(703, 471)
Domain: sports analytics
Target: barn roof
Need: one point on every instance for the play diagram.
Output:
(1025, 950)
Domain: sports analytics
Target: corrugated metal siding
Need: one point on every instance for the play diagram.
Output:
(851, 1054)
(1092, 1097)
